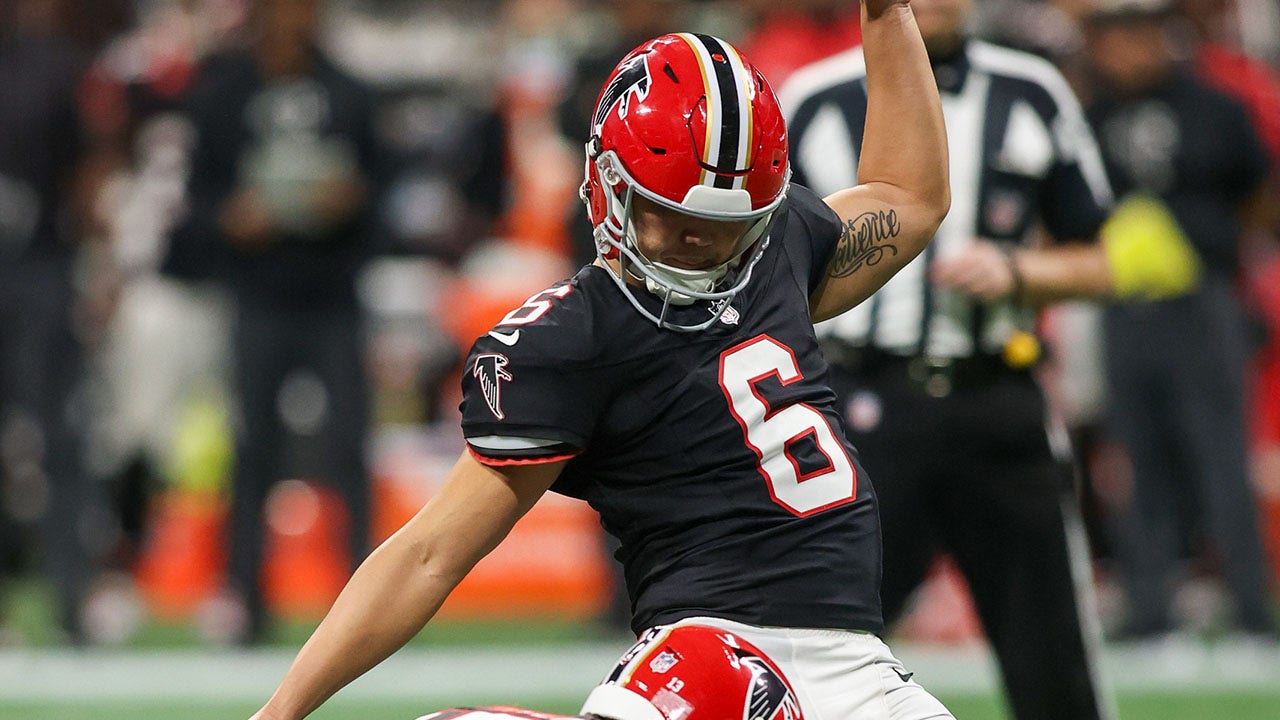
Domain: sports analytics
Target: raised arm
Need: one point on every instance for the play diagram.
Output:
(402, 584)
(903, 190)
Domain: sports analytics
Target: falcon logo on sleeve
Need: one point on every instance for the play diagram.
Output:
(490, 371)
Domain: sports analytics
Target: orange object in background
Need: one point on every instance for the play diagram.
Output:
(495, 280)
(184, 561)
(306, 560)
(184, 558)
(553, 564)
(475, 308)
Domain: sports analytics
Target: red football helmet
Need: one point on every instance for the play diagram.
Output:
(685, 121)
(693, 672)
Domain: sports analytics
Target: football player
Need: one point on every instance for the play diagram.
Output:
(676, 384)
(689, 672)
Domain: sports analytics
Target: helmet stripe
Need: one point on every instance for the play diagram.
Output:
(746, 84)
(729, 119)
(622, 674)
(711, 89)
(726, 116)
(734, 112)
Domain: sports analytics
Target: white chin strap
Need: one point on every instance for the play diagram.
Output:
(697, 281)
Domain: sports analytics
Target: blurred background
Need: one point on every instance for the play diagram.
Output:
(229, 359)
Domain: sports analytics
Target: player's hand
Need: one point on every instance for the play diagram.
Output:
(982, 271)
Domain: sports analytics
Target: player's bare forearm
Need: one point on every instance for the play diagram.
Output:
(402, 584)
(903, 190)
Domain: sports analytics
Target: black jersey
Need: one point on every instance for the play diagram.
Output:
(717, 458)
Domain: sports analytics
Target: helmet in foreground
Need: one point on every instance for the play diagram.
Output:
(686, 122)
(693, 672)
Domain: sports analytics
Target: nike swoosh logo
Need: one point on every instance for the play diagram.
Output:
(507, 339)
(905, 677)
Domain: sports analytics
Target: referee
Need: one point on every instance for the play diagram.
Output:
(934, 369)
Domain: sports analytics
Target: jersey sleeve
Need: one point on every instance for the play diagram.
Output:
(530, 391)
(819, 229)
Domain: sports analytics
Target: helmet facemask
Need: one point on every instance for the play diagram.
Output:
(615, 239)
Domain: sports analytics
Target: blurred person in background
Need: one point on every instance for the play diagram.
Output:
(1187, 162)
(934, 372)
(282, 175)
(1222, 57)
(160, 340)
(676, 384)
(48, 180)
(787, 36)
(1217, 56)
(634, 21)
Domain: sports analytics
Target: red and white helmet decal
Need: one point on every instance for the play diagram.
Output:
(631, 77)
(694, 672)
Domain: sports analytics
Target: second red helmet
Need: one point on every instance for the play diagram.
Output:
(694, 672)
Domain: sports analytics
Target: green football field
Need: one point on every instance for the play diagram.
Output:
(1204, 683)
(166, 671)
(1162, 706)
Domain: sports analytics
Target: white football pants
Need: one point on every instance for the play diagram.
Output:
(838, 674)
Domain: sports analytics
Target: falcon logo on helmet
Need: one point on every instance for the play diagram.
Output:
(630, 78)
(698, 131)
(768, 696)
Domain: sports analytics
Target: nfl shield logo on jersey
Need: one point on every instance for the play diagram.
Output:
(730, 316)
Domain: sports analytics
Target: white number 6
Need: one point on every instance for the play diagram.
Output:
(770, 431)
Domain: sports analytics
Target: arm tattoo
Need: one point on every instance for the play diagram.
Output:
(864, 241)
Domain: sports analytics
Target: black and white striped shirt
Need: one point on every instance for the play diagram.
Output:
(1023, 160)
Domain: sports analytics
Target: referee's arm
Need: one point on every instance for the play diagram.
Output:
(988, 271)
